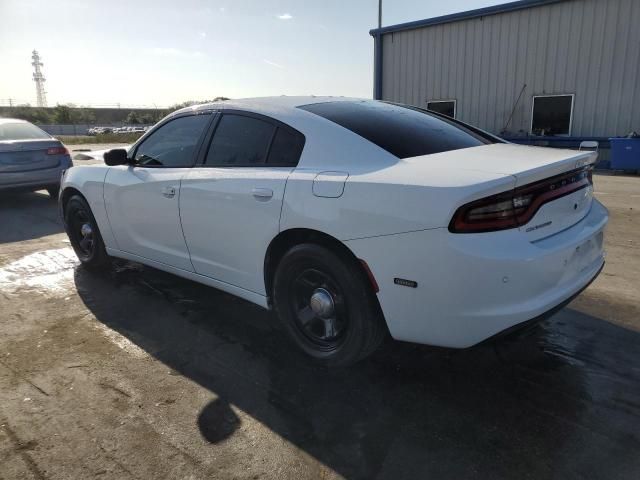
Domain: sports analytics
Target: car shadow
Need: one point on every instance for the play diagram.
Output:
(562, 401)
(25, 216)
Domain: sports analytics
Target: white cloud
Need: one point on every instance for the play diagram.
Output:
(285, 16)
(273, 64)
(203, 34)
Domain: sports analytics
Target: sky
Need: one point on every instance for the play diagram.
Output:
(162, 52)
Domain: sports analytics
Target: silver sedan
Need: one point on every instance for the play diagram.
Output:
(30, 158)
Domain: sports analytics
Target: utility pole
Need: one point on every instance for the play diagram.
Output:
(379, 13)
(38, 77)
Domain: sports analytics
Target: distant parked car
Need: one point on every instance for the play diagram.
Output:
(98, 130)
(30, 158)
(349, 218)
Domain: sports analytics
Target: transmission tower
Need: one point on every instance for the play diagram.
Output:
(38, 77)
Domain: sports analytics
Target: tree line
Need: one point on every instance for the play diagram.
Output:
(70, 114)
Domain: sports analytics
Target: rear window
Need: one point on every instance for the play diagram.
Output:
(21, 131)
(402, 131)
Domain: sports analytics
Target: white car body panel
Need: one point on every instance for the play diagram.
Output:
(229, 217)
(392, 213)
(143, 214)
(527, 163)
(471, 287)
(212, 282)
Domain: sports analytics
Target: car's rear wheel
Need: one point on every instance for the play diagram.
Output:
(84, 234)
(326, 305)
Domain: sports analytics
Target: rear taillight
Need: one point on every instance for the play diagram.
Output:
(57, 151)
(515, 208)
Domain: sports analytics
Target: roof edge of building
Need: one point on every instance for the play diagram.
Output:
(469, 14)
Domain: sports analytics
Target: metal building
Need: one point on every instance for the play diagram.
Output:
(547, 68)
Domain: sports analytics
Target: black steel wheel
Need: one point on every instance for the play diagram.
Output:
(83, 233)
(319, 308)
(326, 305)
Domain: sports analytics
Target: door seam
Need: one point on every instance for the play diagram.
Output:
(184, 237)
(106, 210)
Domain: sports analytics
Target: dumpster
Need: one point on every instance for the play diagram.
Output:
(625, 153)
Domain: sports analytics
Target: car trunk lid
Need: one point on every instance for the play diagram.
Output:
(526, 163)
(563, 211)
(555, 174)
(28, 155)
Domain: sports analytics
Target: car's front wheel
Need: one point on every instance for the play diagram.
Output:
(84, 234)
(326, 305)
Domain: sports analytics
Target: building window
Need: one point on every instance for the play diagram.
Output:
(445, 107)
(552, 115)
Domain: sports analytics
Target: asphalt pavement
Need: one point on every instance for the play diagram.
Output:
(135, 373)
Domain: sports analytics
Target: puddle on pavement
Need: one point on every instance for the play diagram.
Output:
(48, 272)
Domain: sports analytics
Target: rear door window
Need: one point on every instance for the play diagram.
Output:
(240, 141)
(402, 131)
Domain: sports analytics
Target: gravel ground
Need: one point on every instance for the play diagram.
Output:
(134, 373)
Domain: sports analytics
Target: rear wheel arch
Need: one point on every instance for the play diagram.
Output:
(288, 239)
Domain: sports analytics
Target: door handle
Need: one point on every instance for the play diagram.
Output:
(262, 193)
(169, 192)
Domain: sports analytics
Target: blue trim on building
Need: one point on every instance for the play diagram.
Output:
(480, 12)
(377, 67)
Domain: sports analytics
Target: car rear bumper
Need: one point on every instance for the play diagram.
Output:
(32, 180)
(520, 327)
(471, 287)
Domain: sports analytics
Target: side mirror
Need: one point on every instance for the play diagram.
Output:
(117, 156)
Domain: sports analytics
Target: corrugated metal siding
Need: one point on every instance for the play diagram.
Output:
(590, 48)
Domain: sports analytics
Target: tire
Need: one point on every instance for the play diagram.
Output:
(84, 235)
(345, 324)
(54, 191)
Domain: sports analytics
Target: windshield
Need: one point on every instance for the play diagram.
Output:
(402, 131)
(21, 131)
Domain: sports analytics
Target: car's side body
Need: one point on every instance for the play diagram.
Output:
(216, 225)
(30, 159)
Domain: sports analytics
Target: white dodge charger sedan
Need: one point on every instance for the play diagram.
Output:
(350, 218)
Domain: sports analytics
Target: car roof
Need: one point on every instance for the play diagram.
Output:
(282, 101)
(12, 120)
(282, 108)
(277, 107)
(327, 144)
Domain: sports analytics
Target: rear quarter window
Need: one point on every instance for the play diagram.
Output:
(402, 131)
(286, 148)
